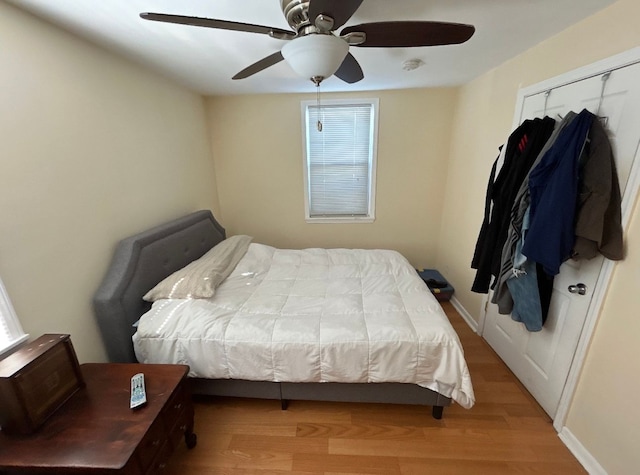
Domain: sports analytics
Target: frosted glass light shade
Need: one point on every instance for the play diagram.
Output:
(315, 55)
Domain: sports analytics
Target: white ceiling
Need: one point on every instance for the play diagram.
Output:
(204, 59)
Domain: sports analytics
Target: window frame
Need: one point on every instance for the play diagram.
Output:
(370, 217)
(9, 320)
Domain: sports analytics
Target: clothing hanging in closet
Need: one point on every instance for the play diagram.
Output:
(599, 218)
(522, 148)
(553, 186)
(512, 257)
(556, 196)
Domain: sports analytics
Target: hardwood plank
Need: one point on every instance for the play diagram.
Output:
(358, 431)
(475, 421)
(200, 460)
(546, 468)
(471, 449)
(350, 464)
(409, 466)
(394, 415)
(530, 423)
(304, 445)
(268, 430)
(421, 466)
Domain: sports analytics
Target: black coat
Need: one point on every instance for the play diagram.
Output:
(523, 147)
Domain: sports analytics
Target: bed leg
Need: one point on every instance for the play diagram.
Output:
(284, 404)
(437, 412)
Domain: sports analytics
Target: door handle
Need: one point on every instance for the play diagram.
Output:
(580, 289)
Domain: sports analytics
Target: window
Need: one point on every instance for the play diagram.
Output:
(11, 333)
(340, 160)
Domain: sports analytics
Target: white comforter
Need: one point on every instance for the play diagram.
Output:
(314, 315)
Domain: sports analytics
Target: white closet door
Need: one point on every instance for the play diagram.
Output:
(542, 360)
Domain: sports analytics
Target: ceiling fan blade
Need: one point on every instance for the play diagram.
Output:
(406, 34)
(218, 24)
(264, 63)
(339, 10)
(350, 70)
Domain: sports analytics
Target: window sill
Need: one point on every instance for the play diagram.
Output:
(339, 220)
(11, 347)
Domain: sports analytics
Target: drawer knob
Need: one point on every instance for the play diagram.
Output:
(178, 406)
(156, 442)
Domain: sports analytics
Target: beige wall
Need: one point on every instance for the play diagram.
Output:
(93, 149)
(604, 415)
(257, 143)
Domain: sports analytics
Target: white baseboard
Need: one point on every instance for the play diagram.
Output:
(466, 316)
(579, 451)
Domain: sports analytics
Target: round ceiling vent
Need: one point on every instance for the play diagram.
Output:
(411, 64)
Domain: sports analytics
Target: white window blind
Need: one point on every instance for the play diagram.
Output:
(11, 333)
(340, 159)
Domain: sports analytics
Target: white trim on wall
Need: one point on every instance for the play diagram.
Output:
(578, 450)
(466, 316)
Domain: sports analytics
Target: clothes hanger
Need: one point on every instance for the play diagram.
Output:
(604, 78)
(547, 93)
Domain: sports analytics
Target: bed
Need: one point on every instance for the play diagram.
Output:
(351, 363)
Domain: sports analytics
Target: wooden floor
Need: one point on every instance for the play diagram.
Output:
(506, 432)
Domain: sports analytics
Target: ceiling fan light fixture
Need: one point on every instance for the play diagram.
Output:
(315, 55)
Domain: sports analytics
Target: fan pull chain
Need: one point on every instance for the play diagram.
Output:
(319, 124)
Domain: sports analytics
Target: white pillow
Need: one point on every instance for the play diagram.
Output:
(199, 279)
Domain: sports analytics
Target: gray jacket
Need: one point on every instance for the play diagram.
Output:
(599, 214)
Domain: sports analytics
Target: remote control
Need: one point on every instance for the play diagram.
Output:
(138, 392)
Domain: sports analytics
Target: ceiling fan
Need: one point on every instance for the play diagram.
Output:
(315, 51)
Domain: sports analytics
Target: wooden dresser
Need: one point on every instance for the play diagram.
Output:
(96, 432)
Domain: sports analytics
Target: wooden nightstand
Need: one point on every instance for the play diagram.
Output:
(96, 432)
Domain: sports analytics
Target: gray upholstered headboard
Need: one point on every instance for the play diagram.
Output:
(139, 263)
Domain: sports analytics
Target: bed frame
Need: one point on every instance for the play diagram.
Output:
(143, 260)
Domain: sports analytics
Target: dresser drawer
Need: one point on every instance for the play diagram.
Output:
(161, 461)
(183, 423)
(179, 402)
(150, 445)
